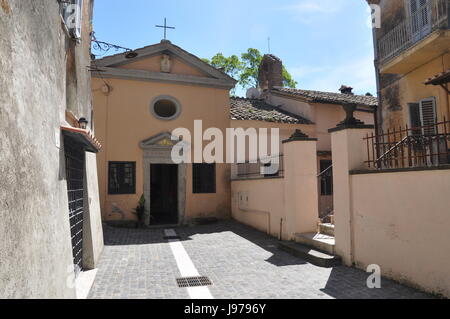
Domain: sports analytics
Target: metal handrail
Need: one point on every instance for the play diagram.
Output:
(393, 148)
(326, 170)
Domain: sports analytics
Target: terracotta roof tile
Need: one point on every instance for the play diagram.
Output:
(438, 79)
(259, 110)
(330, 97)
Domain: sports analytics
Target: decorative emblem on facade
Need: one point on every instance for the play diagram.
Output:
(165, 142)
(166, 63)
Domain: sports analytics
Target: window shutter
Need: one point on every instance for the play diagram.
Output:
(420, 14)
(428, 116)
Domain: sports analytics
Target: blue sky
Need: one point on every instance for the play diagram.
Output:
(323, 43)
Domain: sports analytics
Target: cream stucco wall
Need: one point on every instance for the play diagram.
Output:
(401, 222)
(123, 119)
(398, 220)
(265, 207)
(325, 116)
(284, 206)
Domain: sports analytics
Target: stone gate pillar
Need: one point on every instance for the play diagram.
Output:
(301, 191)
(349, 153)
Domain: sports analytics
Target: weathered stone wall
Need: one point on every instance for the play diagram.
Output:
(35, 51)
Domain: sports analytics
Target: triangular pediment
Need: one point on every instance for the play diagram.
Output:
(162, 140)
(147, 65)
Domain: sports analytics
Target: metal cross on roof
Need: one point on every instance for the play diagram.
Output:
(165, 28)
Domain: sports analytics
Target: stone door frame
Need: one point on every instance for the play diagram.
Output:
(158, 150)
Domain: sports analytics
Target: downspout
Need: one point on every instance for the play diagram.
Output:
(445, 86)
(378, 109)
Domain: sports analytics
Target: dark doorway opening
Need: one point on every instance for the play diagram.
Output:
(163, 194)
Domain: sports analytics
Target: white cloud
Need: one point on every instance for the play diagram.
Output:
(359, 74)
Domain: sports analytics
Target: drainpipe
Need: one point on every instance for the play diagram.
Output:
(445, 86)
(379, 108)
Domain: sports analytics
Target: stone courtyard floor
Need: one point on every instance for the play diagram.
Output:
(241, 263)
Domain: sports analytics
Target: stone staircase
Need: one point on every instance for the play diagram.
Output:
(316, 248)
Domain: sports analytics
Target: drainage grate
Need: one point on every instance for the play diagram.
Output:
(193, 282)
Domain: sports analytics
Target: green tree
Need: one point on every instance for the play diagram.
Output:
(246, 69)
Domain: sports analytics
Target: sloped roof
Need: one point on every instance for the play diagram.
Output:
(107, 66)
(329, 97)
(259, 110)
(439, 79)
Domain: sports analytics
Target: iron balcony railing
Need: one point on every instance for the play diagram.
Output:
(261, 169)
(418, 25)
(424, 146)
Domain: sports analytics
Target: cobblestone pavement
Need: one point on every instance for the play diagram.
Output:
(240, 261)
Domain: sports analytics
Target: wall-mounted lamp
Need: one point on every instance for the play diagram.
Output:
(82, 122)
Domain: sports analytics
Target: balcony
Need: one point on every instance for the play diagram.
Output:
(422, 36)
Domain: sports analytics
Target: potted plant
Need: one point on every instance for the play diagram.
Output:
(140, 212)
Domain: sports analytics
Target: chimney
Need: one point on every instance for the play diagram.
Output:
(270, 72)
(346, 89)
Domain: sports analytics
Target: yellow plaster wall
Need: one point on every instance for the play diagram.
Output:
(411, 89)
(123, 120)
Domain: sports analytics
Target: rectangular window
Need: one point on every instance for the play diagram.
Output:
(122, 178)
(204, 178)
(414, 117)
(326, 179)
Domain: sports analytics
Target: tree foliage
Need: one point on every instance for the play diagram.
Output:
(245, 70)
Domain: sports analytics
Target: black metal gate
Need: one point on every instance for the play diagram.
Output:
(75, 161)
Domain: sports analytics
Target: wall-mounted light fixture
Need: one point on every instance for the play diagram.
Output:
(82, 122)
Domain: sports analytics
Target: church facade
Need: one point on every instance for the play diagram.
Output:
(138, 102)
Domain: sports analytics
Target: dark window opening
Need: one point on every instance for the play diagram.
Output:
(165, 108)
(414, 114)
(204, 178)
(326, 179)
(122, 178)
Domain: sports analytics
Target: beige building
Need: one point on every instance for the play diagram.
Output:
(392, 184)
(412, 46)
(313, 112)
(140, 100)
(138, 103)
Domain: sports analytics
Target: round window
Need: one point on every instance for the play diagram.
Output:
(165, 108)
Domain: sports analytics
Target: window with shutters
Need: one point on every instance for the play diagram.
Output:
(122, 178)
(204, 178)
(420, 13)
(428, 116)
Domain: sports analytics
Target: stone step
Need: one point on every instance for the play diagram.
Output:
(310, 255)
(321, 242)
(327, 229)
